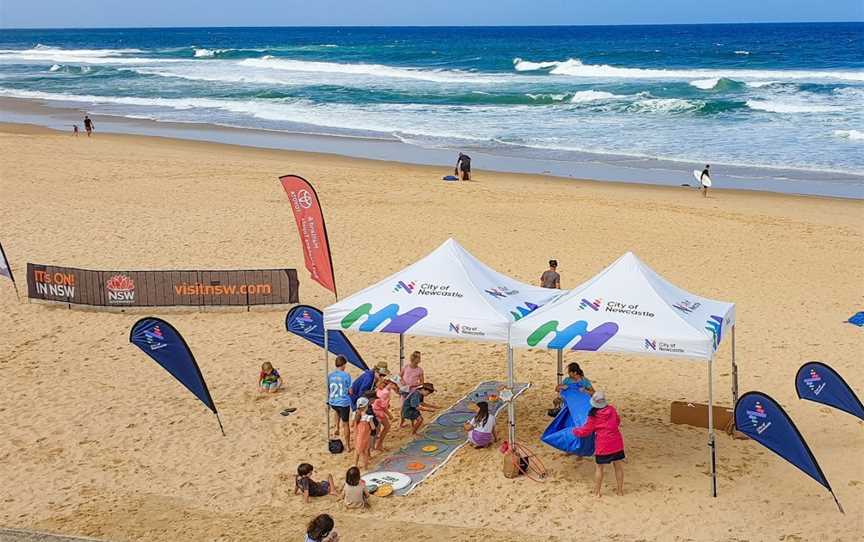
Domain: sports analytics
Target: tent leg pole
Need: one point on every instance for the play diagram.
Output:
(401, 351)
(511, 409)
(220, 424)
(560, 366)
(326, 392)
(711, 442)
(734, 372)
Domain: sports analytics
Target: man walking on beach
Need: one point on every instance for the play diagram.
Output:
(550, 278)
(88, 125)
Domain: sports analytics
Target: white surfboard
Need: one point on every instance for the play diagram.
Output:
(698, 175)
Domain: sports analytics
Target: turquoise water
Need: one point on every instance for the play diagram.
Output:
(752, 96)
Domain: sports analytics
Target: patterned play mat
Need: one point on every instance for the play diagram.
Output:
(437, 441)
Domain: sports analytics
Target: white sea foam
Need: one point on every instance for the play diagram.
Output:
(742, 52)
(664, 105)
(78, 56)
(204, 53)
(54, 68)
(705, 84)
(760, 84)
(854, 135)
(592, 96)
(374, 70)
(789, 106)
(576, 68)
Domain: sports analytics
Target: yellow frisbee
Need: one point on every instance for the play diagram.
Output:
(430, 448)
(384, 491)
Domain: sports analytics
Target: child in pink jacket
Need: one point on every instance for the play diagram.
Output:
(603, 422)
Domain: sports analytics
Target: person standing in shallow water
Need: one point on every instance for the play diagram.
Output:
(550, 278)
(88, 125)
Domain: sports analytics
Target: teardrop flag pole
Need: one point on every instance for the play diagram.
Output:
(313, 232)
(762, 419)
(819, 383)
(6, 271)
(162, 342)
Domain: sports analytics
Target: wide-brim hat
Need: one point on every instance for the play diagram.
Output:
(381, 368)
(598, 400)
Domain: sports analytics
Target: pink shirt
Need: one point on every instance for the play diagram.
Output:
(411, 376)
(604, 424)
(382, 404)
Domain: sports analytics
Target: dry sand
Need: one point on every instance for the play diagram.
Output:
(97, 440)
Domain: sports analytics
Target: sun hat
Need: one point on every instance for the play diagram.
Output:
(428, 386)
(598, 400)
(381, 368)
(362, 402)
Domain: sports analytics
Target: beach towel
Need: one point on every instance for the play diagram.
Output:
(450, 178)
(857, 319)
(573, 414)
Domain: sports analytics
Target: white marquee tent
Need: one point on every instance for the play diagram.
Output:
(449, 293)
(629, 308)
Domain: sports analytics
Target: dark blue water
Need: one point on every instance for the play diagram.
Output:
(756, 95)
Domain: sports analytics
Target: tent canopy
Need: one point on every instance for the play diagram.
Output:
(449, 293)
(628, 308)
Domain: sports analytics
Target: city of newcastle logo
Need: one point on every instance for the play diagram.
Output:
(714, 324)
(406, 287)
(815, 382)
(396, 323)
(589, 340)
(522, 312)
(758, 418)
(155, 338)
(593, 305)
(501, 292)
(686, 306)
(650, 344)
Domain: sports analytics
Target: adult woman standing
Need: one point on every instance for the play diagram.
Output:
(603, 421)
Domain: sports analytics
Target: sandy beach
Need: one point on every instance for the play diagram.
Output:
(98, 441)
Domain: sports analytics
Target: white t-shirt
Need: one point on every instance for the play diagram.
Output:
(486, 427)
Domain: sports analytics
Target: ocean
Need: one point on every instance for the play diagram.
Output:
(770, 106)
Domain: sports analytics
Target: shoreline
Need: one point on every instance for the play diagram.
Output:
(609, 168)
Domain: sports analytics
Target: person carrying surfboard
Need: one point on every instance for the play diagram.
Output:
(705, 179)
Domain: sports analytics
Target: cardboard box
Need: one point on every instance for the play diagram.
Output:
(696, 414)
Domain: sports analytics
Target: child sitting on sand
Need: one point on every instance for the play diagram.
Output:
(269, 379)
(354, 493)
(412, 378)
(415, 404)
(481, 428)
(304, 484)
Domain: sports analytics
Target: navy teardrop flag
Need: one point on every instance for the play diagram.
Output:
(159, 340)
(820, 383)
(307, 322)
(760, 417)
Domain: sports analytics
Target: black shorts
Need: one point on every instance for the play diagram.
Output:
(344, 412)
(609, 458)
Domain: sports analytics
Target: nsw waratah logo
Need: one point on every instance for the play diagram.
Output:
(407, 287)
(758, 418)
(815, 382)
(121, 289)
(593, 305)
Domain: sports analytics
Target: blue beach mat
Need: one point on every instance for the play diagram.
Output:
(438, 440)
(573, 414)
(857, 319)
(449, 178)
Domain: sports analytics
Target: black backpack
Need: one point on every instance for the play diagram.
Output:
(335, 446)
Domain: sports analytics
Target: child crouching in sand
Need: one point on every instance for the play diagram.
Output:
(415, 404)
(354, 493)
(304, 484)
(269, 379)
